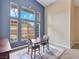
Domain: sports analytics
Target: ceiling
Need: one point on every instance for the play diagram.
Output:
(45, 2)
(76, 3)
(48, 2)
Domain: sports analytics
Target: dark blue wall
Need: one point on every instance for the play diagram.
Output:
(4, 12)
(6, 17)
(0, 17)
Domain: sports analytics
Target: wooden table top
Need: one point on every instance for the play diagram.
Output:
(38, 40)
(4, 45)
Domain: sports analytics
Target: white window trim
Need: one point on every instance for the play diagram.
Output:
(39, 29)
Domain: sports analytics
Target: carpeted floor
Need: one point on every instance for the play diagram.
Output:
(70, 54)
(53, 53)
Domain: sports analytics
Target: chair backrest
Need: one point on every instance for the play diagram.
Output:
(29, 42)
(46, 37)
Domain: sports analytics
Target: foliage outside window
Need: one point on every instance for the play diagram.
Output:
(13, 22)
(29, 16)
(13, 30)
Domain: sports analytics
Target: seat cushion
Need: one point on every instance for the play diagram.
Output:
(35, 45)
(44, 43)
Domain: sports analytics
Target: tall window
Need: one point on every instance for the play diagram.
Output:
(28, 24)
(13, 22)
(37, 24)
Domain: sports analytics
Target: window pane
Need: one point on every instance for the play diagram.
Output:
(31, 30)
(13, 30)
(37, 16)
(38, 30)
(13, 12)
(27, 15)
(24, 30)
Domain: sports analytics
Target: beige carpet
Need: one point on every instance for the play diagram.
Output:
(70, 54)
(55, 52)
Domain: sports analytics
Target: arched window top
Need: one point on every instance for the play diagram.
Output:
(13, 5)
(27, 14)
(27, 10)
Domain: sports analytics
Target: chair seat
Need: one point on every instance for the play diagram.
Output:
(44, 43)
(34, 46)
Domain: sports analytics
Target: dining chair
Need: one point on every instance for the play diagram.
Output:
(34, 47)
(45, 42)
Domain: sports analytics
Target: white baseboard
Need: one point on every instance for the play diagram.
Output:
(60, 45)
